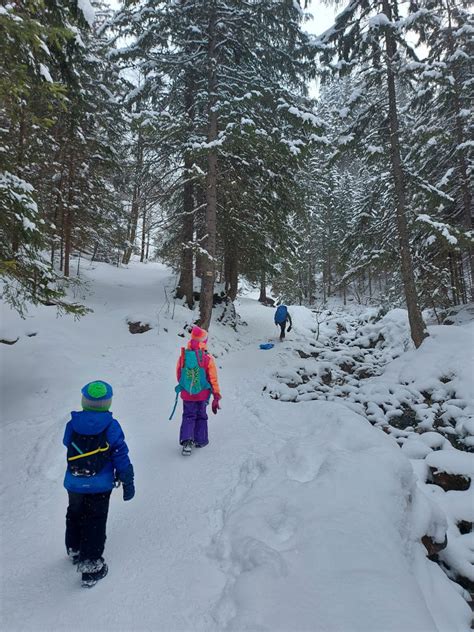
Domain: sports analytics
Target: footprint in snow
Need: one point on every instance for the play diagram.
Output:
(302, 464)
(282, 524)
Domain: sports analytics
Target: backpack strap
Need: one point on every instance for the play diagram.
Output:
(82, 455)
(178, 390)
(203, 359)
(200, 358)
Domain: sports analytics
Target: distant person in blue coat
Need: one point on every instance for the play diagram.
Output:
(282, 317)
(97, 457)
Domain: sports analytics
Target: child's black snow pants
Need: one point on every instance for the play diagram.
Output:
(86, 519)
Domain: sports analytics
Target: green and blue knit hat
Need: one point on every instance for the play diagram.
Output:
(97, 396)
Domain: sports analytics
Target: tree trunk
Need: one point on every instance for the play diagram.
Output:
(311, 282)
(20, 166)
(221, 270)
(148, 246)
(186, 279)
(96, 248)
(462, 279)
(185, 284)
(67, 241)
(234, 278)
(329, 274)
(142, 250)
(53, 242)
(458, 289)
(20, 160)
(207, 284)
(135, 208)
(61, 241)
(417, 326)
(132, 233)
(453, 279)
(68, 217)
(199, 227)
(263, 288)
(462, 162)
(231, 271)
(226, 271)
(57, 209)
(55, 200)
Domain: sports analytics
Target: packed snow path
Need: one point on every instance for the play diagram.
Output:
(294, 518)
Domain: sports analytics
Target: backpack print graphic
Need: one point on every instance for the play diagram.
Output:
(193, 378)
(87, 454)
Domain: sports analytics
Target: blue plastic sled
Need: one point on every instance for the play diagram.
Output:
(267, 345)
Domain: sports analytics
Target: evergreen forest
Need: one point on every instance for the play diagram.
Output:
(226, 140)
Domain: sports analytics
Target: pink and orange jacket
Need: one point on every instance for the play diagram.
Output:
(211, 375)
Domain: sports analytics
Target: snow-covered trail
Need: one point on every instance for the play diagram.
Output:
(160, 574)
(183, 554)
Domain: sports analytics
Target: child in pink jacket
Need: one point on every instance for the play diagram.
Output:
(194, 430)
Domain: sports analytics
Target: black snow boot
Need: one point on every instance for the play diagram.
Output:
(187, 447)
(92, 571)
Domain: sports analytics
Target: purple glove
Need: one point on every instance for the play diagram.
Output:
(215, 404)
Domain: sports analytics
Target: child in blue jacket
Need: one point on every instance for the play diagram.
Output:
(97, 456)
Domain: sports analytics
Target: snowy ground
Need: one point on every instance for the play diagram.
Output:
(295, 517)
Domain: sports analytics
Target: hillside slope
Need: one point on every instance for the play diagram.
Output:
(294, 518)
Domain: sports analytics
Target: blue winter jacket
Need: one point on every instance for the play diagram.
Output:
(92, 423)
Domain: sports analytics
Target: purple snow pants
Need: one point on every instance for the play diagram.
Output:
(194, 423)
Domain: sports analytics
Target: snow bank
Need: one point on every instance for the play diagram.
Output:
(421, 397)
(444, 358)
(327, 536)
(369, 364)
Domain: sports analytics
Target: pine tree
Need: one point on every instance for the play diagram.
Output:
(214, 90)
(365, 40)
(32, 37)
(62, 128)
(442, 127)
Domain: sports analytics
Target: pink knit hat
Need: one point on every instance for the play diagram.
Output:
(198, 334)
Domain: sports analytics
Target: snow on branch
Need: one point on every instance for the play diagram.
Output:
(440, 228)
(87, 11)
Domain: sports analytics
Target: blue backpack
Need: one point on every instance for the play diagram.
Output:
(281, 314)
(193, 378)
